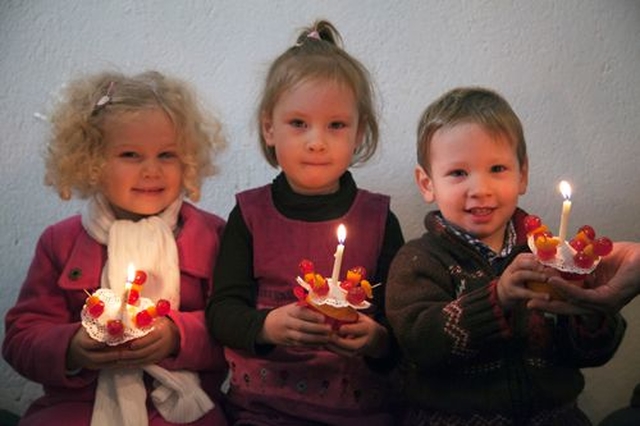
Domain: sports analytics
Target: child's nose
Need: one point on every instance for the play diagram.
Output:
(480, 186)
(151, 168)
(316, 141)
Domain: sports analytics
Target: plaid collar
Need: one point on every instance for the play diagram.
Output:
(484, 250)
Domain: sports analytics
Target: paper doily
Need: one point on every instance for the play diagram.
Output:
(97, 327)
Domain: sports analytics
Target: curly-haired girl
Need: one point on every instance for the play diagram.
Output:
(134, 147)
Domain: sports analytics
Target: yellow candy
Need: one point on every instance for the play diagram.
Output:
(368, 290)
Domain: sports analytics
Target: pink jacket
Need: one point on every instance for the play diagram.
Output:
(46, 315)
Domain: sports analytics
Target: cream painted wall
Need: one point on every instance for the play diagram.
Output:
(571, 69)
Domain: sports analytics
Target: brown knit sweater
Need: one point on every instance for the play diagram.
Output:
(463, 354)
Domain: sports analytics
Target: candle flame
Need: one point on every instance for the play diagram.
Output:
(342, 233)
(565, 189)
(131, 273)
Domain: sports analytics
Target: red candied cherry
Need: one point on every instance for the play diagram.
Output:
(115, 327)
(602, 246)
(578, 244)
(163, 307)
(306, 266)
(144, 319)
(546, 254)
(140, 277)
(134, 295)
(583, 260)
(356, 295)
(588, 231)
(95, 306)
(531, 223)
(347, 285)
(300, 294)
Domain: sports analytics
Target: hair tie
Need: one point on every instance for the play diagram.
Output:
(314, 34)
(104, 100)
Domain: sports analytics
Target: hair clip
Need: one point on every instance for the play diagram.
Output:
(104, 100)
(311, 34)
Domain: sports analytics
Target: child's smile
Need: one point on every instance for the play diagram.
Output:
(143, 172)
(475, 179)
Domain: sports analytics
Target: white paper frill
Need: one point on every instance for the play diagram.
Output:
(97, 327)
(563, 260)
(336, 297)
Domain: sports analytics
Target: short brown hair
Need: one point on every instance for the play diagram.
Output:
(470, 105)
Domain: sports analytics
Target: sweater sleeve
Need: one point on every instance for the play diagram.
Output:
(232, 306)
(583, 345)
(433, 325)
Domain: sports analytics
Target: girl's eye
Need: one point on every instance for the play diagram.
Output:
(337, 125)
(128, 154)
(457, 173)
(297, 123)
(168, 155)
(498, 169)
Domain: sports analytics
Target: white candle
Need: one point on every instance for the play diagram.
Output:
(131, 275)
(565, 189)
(342, 235)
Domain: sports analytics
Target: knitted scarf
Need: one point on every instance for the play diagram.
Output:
(150, 245)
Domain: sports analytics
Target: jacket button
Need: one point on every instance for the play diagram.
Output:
(75, 274)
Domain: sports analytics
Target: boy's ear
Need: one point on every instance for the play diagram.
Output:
(425, 184)
(266, 126)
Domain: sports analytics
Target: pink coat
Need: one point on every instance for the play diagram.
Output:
(46, 315)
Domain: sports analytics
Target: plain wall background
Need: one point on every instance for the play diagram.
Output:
(570, 69)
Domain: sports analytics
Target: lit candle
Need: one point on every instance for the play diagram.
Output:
(131, 274)
(565, 189)
(342, 235)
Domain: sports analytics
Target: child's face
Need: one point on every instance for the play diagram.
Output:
(143, 173)
(475, 179)
(314, 131)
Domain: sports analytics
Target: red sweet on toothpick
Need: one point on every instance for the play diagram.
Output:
(115, 327)
(95, 306)
(574, 259)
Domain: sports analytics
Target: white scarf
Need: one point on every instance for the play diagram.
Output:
(150, 245)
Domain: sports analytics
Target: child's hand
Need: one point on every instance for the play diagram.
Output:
(85, 352)
(512, 284)
(294, 325)
(364, 337)
(161, 342)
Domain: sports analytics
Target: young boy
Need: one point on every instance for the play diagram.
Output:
(456, 297)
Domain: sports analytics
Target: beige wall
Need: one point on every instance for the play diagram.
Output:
(571, 69)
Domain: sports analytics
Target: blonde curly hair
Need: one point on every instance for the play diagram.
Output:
(76, 150)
